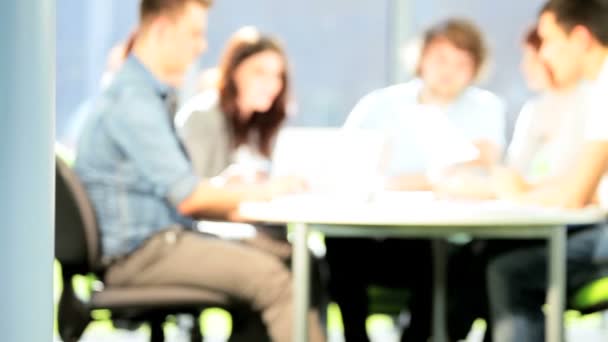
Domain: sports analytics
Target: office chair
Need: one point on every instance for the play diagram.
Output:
(78, 249)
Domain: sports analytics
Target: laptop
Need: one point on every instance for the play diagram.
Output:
(335, 160)
(342, 164)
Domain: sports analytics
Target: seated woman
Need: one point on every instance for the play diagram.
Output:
(229, 129)
(235, 123)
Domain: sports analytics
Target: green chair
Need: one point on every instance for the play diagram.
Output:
(387, 301)
(591, 298)
(587, 300)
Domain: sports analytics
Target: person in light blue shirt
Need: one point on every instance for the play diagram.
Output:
(443, 93)
(118, 183)
(477, 114)
(427, 122)
(145, 191)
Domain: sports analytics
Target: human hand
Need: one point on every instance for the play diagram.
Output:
(507, 183)
(286, 185)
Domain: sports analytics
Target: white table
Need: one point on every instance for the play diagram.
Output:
(403, 215)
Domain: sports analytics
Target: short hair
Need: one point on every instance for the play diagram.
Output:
(464, 35)
(152, 8)
(592, 14)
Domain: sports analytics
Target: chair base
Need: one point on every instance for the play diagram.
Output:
(73, 316)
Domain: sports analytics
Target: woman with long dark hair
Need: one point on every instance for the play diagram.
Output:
(228, 131)
(235, 122)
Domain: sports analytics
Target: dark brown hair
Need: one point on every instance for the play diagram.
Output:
(592, 14)
(129, 44)
(461, 33)
(152, 8)
(533, 39)
(266, 125)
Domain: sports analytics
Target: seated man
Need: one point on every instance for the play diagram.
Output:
(453, 53)
(144, 188)
(574, 45)
(547, 140)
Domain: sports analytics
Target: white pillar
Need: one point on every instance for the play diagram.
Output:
(27, 120)
(400, 34)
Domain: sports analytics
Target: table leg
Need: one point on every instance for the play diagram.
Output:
(557, 286)
(301, 283)
(439, 290)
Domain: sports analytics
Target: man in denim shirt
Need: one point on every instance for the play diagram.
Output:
(144, 189)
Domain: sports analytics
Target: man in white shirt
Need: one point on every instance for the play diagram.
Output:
(575, 44)
(423, 120)
(452, 57)
(549, 130)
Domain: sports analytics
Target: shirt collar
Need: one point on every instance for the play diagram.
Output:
(418, 84)
(134, 64)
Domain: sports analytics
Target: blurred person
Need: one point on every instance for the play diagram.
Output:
(236, 122)
(574, 36)
(144, 188)
(547, 139)
(229, 129)
(116, 56)
(549, 130)
(452, 58)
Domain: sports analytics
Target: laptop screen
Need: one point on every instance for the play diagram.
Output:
(330, 159)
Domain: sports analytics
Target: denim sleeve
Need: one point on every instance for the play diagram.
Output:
(141, 127)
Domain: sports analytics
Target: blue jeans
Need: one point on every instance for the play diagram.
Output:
(517, 283)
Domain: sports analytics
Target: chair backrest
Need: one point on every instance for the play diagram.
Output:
(77, 239)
